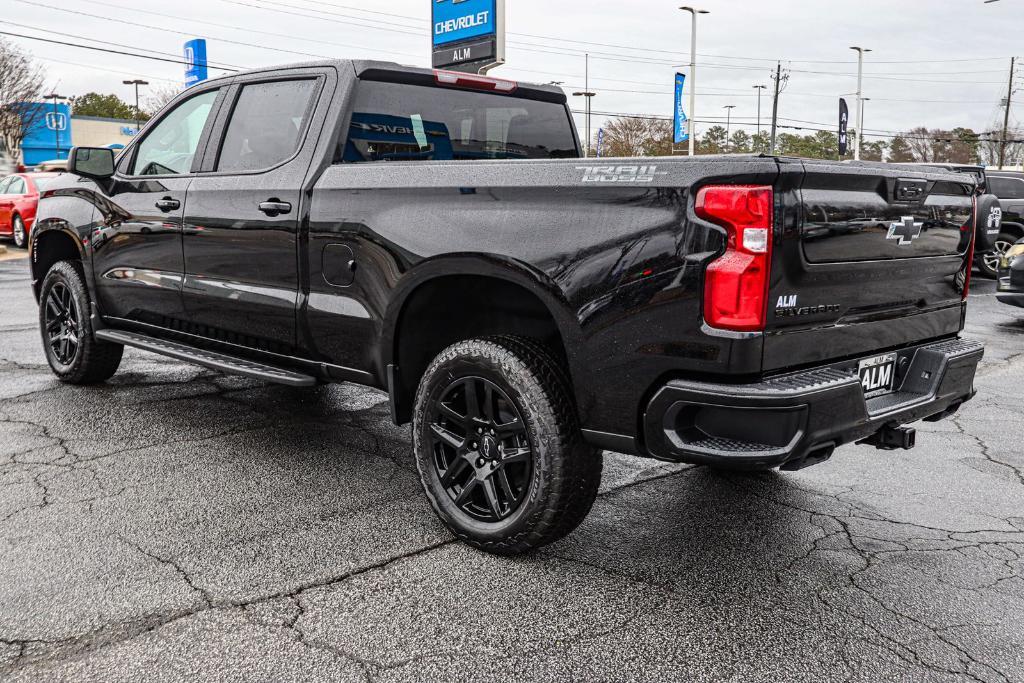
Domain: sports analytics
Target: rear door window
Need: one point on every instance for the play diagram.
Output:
(17, 186)
(401, 122)
(266, 125)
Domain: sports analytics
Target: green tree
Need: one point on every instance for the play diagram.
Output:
(899, 150)
(873, 150)
(740, 142)
(713, 141)
(108, 106)
(761, 143)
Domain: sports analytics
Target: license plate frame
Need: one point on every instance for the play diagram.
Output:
(877, 374)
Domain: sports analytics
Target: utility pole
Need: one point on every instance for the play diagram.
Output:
(586, 93)
(56, 120)
(760, 89)
(692, 114)
(137, 82)
(1006, 116)
(728, 123)
(775, 103)
(860, 94)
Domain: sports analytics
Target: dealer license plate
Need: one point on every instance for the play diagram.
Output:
(878, 375)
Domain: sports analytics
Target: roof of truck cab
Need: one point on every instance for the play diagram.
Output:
(361, 66)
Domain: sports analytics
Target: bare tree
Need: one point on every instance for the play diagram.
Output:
(21, 88)
(160, 95)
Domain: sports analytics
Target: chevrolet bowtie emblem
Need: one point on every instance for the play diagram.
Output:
(905, 231)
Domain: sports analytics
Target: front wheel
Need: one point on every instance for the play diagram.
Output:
(20, 235)
(988, 263)
(74, 355)
(498, 448)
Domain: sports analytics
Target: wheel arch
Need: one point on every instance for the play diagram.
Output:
(532, 305)
(48, 245)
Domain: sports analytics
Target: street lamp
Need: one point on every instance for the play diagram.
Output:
(587, 94)
(728, 123)
(759, 88)
(56, 119)
(860, 93)
(860, 133)
(137, 82)
(693, 71)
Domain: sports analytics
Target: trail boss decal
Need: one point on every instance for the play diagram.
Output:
(620, 174)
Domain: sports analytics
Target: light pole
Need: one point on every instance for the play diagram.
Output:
(860, 94)
(860, 133)
(759, 89)
(56, 119)
(137, 82)
(587, 94)
(693, 72)
(728, 123)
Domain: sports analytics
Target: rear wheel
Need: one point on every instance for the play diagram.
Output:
(988, 263)
(20, 236)
(498, 448)
(64, 320)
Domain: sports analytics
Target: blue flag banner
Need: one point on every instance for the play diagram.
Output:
(600, 140)
(682, 133)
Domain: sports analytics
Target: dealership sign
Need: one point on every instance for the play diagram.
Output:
(468, 35)
(680, 131)
(195, 62)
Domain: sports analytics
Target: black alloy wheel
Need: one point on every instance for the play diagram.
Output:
(498, 446)
(481, 449)
(63, 326)
(72, 351)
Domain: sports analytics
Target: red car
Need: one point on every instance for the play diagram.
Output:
(19, 196)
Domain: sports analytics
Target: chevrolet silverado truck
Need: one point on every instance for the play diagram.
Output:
(438, 236)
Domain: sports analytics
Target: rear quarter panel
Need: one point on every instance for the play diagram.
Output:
(617, 258)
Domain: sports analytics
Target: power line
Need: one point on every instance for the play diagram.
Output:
(102, 49)
(420, 20)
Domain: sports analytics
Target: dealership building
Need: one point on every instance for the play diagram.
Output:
(53, 135)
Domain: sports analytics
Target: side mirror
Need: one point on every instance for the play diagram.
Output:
(92, 162)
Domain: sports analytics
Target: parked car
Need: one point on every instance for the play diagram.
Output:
(1009, 187)
(990, 241)
(19, 196)
(436, 234)
(51, 165)
(1010, 283)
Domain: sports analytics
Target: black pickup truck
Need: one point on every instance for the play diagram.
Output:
(437, 235)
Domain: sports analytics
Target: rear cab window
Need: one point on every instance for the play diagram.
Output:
(405, 122)
(266, 124)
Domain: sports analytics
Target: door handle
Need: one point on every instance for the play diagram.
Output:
(274, 207)
(168, 204)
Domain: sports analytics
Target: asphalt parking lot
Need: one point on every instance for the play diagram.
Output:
(175, 524)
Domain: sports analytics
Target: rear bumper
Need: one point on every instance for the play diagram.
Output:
(800, 417)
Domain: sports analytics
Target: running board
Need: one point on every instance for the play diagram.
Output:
(231, 365)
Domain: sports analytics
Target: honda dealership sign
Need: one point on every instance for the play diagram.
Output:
(195, 61)
(468, 35)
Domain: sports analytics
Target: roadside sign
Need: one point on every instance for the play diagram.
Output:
(467, 35)
(682, 134)
(195, 61)
(600, 141)
(844, 120)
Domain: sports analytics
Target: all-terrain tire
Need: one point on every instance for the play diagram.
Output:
(91, 360)
(566, 472)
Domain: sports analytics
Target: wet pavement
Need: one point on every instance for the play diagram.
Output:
(175, 524)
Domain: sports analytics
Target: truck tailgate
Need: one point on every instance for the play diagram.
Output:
(868, 257)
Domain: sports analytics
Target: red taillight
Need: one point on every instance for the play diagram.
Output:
(454, 79)
(736, 283)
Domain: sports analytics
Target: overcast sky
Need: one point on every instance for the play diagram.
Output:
(937, 63)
